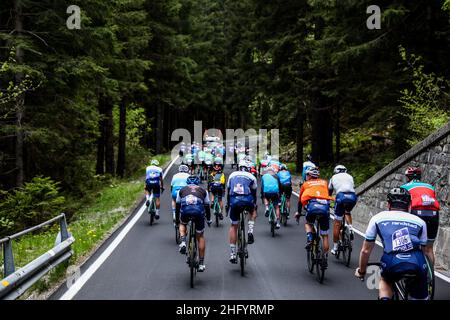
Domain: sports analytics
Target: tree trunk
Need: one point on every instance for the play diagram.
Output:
(322, 135)
(109, 137)
(122, 139)
(159, 128)
(338, 133)
(300, 156)
(20, 101)
(100, 167)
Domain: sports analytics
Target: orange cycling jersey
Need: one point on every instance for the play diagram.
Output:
(314, 189)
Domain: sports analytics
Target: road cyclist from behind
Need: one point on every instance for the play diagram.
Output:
(285, 185)
(193, 201)
(307, 164)
(275, 164)
(404, 237)
(423, 204)
(270, 191)
(241, 195)
(216, 184)
(154, 184)
(342, 183)
(179, 181)
(314, 197)
(201, 161)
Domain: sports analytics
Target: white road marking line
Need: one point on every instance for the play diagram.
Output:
(438, 274)
(73, 290)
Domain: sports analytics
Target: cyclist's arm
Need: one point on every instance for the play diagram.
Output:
(366, 250)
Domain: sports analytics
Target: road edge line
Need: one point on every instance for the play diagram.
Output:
(76, 287)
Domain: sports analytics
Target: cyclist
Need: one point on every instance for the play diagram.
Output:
(423, 204)
(154, 184)
(193, 201)
(270, 190)
(316, 200)
(286, 185)
(182, 149)
(275, 164)
(179, 181)
(201, 160)
(404, 238)
(307, 164)
(209, 161)
(241, 195)
(346, 198)
(264, 162)
(216, 184)
(190, 162)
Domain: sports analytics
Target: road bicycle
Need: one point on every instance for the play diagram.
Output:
(152, 209)
(284, 210)
(192, 251)
(345, 245)
(315, 257)
(402, 286)
(272, 218)
(242, 252)
(177, 232)
(217, 209)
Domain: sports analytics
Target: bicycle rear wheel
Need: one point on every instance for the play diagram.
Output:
(346, 246)
(430, 280)
(192, 254)
(242, 247)
(310, 258)
(216, 210)
(177, 234)
(152, 211)
(320, 270)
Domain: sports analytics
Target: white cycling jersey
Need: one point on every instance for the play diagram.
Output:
(342, 182)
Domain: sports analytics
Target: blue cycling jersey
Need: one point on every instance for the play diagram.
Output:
(285, 177)
(269, 184)
(399, 231)
(153, 174)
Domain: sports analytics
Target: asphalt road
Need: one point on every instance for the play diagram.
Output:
(146, 265)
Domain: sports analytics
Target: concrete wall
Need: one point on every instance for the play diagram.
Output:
(433, 156)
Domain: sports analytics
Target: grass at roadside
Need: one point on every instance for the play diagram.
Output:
(96, 216)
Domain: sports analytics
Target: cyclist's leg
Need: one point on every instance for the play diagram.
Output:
(266, 204)
(199, 230)
(251, 222)
(432, 223)
(309, 227)
(232, 234)
(275, 200)
(324, 223)
(220, 192)
(157, 194)
(184, 219)
(338, 216)
(385, 291)
(288, 192)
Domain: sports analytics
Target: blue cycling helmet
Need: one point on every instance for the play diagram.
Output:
(193, 180)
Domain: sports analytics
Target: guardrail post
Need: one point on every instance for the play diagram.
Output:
(8, 258)
(63, 227)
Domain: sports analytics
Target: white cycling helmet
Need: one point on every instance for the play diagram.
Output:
(154, 162)
(313, 172)
(339, 168)
(244, 165)
(183, 168)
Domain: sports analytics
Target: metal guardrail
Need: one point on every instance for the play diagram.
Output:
(16, 282)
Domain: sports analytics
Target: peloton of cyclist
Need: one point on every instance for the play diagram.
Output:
(316, 200)
(216, 184)
(241, 195)
(404, 237)
(179, 181)
(193, 201)
(270, 191)
(154, 184)
(423, 204)
(286, 185)
(346, 198)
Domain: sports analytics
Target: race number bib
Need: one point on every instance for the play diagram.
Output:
(427, 200)
(191, 200)
(401, 240)
(238, 189)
